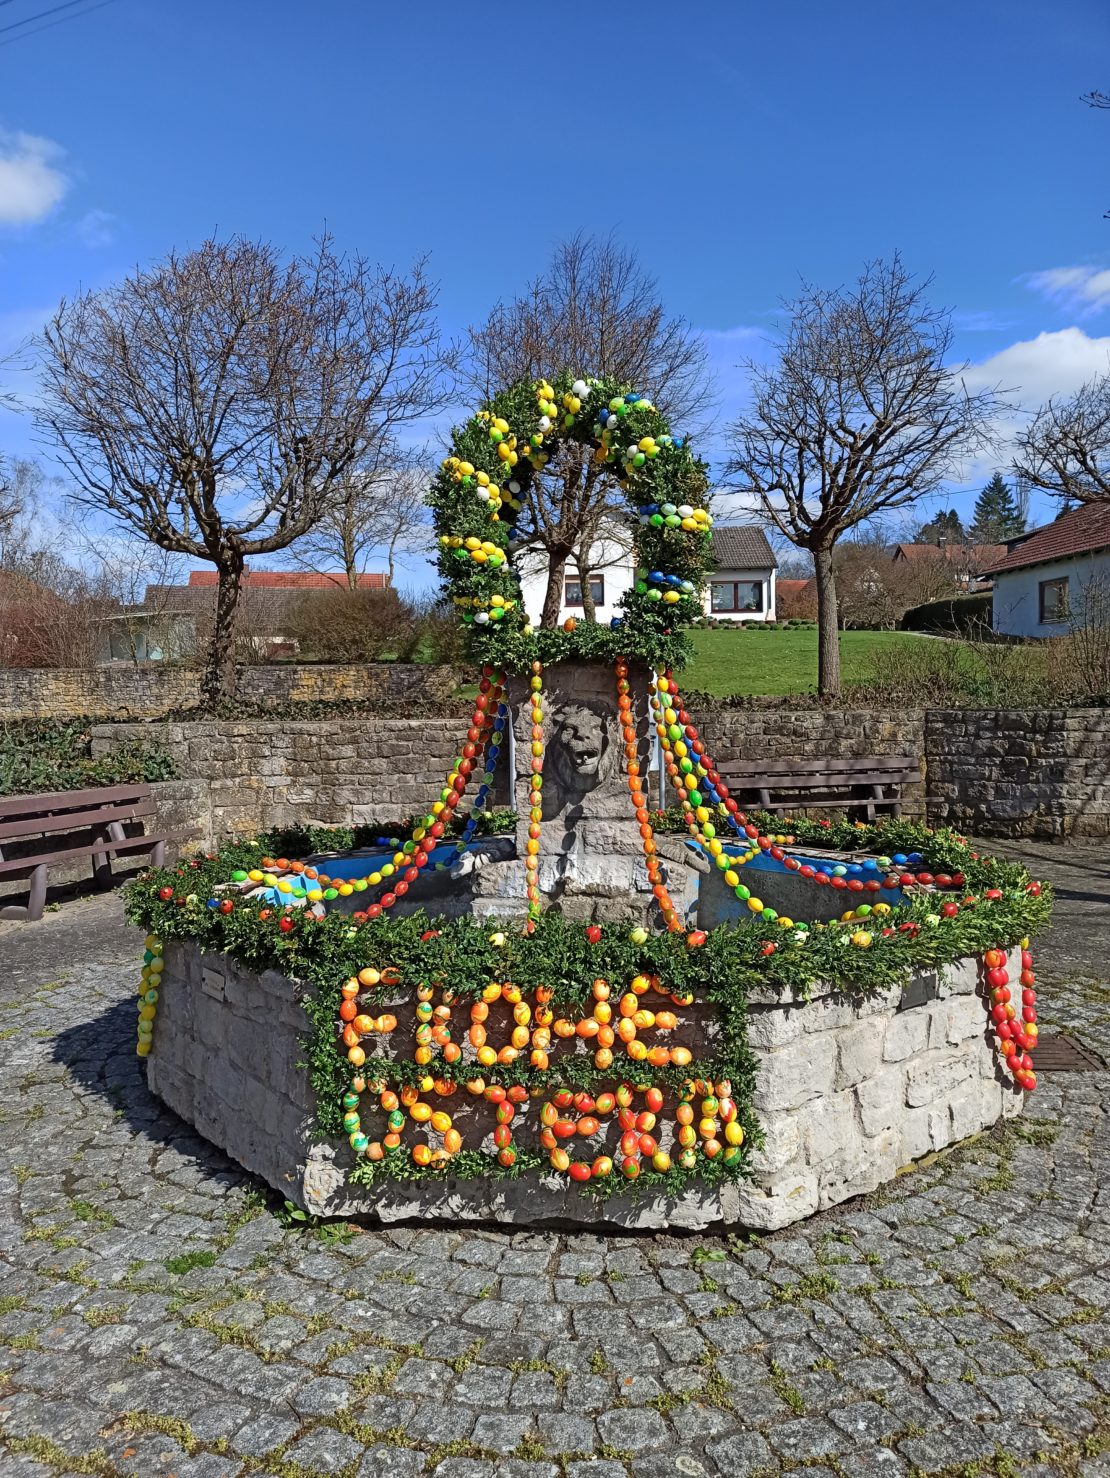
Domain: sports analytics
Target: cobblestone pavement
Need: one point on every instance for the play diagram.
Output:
(157, 1318)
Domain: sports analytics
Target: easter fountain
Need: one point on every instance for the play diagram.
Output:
(595, 1021)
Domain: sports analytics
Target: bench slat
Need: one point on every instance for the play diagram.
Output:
(73, 820)
(73, 800)
(826, 782)
(821, 766)
(130, 844)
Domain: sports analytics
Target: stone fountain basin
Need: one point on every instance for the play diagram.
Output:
(849, 1091)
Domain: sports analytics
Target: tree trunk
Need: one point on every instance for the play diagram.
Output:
(589, 610)
(220, 673)
(553, 598)
(350, 556)
(828, 632)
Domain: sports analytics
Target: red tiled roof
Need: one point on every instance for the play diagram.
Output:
(974, 555)
(292, 579)
(1080, 531)
(792, 587)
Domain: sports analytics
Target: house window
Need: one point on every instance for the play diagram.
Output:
(1053, 600)
(736, 595)
(572, 590)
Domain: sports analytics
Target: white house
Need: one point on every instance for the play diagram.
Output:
(1055, 575)
(613, 574)
(741, 588)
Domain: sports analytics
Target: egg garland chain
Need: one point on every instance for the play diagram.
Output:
(492, 752)
(627, 717)
(416, 851)
(682, 772)
(680, 728)
(486, 482)
(535, 794)
(684, 775)
(1015, 1037)
(840, 875)
(150, 980)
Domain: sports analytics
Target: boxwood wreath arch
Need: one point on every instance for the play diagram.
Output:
(482, 497)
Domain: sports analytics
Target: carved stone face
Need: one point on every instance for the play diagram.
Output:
(582, 735)
(576, 756)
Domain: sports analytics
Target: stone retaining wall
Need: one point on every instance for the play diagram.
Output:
(148, 690)
(259, 775)
(848, 1091)
(1020, 772)
(1008, 772)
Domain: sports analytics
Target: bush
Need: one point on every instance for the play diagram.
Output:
(342, 625)
(963, 615)
(440, 635)
(43, 755)
(953, 674)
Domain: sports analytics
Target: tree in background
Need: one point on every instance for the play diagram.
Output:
(212, 403)
(997, 516)
(1097, 99)
(944, 528)
(371, 515)
(594, 311)
(861, 414)
(1066, 447)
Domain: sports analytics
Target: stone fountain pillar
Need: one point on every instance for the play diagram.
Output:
(591, 853)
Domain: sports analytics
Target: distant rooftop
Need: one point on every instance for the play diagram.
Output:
(742, 546)
(293, 579)
(1081, 530)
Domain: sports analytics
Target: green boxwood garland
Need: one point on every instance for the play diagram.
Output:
(482, 490)
(463, 954)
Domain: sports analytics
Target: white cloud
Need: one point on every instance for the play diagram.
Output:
(1028, 374)
(97, 228)
(1084, 288)
(1032, 370)
(31, 180)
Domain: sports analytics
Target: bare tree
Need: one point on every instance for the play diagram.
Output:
(139, 580)
(1066, 447)
(594, 311)
(212, 403)
(378, 514)
(21, 485)
(1097, 99)
(860, 415)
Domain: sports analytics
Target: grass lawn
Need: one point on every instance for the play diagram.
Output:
(727, 662)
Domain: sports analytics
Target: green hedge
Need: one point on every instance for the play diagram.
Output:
(39, 755)
(965, 615)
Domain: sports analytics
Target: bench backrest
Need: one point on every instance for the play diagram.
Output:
(73, 810)
(876, 769)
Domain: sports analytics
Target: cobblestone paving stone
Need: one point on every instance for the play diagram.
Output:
(157, 1318)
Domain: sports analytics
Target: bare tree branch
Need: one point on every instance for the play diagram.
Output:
(860, 415)
(213, 403)
(371, 515)
(1066, 448)
(594, 311)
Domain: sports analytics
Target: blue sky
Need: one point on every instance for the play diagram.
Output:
(736, 146)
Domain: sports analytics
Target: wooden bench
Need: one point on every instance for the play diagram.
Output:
(106, 822)
(870, 783)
